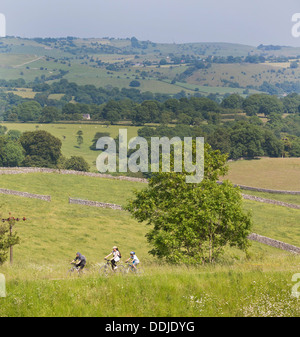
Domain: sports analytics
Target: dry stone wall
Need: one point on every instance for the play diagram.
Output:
(270, 201)
(94, 204)
(25, 194)
(274, 243)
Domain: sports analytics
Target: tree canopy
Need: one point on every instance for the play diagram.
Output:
(192, 223)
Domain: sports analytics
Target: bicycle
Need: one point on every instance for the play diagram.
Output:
(74, 269)
(130, 269)
(106, 269)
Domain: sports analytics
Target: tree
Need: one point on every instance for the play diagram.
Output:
(233, 101)
(291, 103)
(79, 137)
(251, 104)
(134, 84)
(219, 139)
(49, 114)
(76, 163)
(294, 65)
(28, 111)
(14, 134)
(12, 154)
(246, 141)
(270, 104)
(192, 223)
(272, 146)
(96, 137)
(4, 244)
(3, 130)
(41, 148)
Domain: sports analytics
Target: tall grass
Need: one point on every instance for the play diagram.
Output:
(163, 291)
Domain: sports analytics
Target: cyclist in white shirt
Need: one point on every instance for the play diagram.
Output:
(116, 257)
(134, 259)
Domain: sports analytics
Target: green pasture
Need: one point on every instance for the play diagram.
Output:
(37, 284)
(67, 134)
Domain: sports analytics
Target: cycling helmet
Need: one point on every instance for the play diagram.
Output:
(132, 253)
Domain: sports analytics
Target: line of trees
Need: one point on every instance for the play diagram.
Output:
(233, 126)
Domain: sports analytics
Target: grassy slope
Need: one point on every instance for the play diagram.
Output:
(16, 63)
(245, 74)
(269, 173)
(37, 284)
(89, 227)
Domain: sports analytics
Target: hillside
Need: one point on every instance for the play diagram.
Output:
(59, 226)
(159, 68)
(55, 231)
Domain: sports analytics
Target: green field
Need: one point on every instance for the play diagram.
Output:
(270, 173)
(37, 284)
(244, 74)
(67, 134)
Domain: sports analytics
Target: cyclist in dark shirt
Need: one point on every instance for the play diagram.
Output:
(80, 260)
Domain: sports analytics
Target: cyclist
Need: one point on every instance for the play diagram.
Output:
(80, 261)
(116, 257)
(134, 259)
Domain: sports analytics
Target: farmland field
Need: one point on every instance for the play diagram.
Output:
(67, 134)
(37, 281)
(269, 173)
(88, 61)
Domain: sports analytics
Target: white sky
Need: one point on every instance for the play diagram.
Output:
(249, 22)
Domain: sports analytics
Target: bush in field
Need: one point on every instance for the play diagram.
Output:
(76, 163)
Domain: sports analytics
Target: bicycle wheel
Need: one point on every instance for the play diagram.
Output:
(71, 272)
(104, 270)
(120, 269)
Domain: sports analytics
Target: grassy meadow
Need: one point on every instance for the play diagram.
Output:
(67, 134)
(37, 284)
(270, 173)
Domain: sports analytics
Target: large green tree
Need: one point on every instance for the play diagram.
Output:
(28, 111)
(41, 148)
(192, 223)
(11, 152)
(246, 141)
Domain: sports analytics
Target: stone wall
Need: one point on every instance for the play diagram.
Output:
(270, 201)
(274, 243)
(94, 204)
(25, 194)
(18, 170)
(267, 191)
(24, 170)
